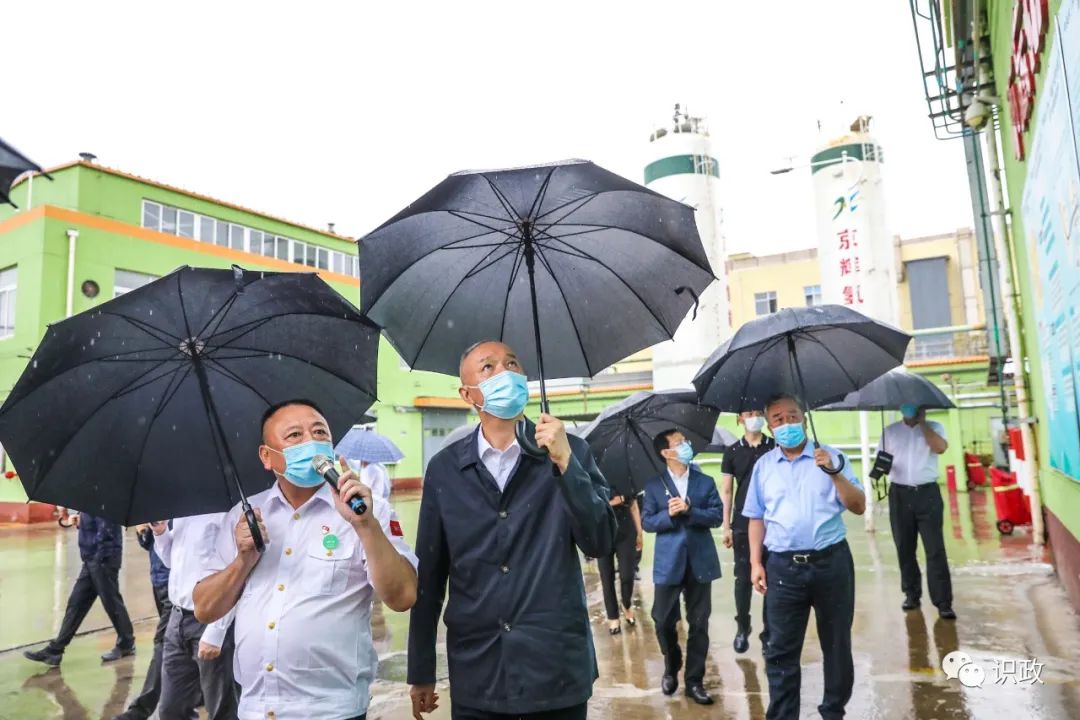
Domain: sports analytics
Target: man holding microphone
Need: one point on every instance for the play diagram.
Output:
(303, 606)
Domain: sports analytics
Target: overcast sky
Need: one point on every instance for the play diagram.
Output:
(344, 112)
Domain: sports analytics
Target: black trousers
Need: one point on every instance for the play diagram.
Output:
(827, 584)
(665, 615)
(188, 681)
(625, 551)
(916, 512)
(144, 705)
(577, 712)
(96, 580)
(744, 589)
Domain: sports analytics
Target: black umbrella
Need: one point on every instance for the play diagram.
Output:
(893, 389)
(566, 256)
(622, 435)
(818, 354)
(13, 164)
(148, 406)
(722, 439)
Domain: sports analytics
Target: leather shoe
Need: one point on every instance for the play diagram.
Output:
(44, 655)
(669, 684)
(697, 694)
(116, 653)
(742, 643)
(910, 603)
(945, 612)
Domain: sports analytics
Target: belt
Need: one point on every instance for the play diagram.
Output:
(804, 557)
(920, 486)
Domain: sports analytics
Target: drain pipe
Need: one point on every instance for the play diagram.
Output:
(1012, 314)
(73, 239)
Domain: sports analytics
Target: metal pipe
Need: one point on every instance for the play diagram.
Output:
(1012, 314)
(69, 304)
(947, 329)
(866, 462)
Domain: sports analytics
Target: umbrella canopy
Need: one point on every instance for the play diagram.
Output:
(818, 354)
(13, 164)
(622, 435)
(566, 256)
(722, 439)
(368, 446)
(893, 389)
(148, 406)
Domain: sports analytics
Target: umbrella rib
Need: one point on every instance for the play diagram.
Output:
(542, 193)
(772, 342)
(435, 317)
(825, 347)
(85, 423)
(328, 371)
(169, 341)
(670, 249)
(510, 211)
(253, 326)
(569, 312)
(589, 256)
(506, 233)
(509, 287)
(219, 367)
(219, 316)
(132, 388)
(584, 200)
(478, 270)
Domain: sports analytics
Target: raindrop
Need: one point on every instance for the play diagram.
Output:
(151, 311)
(35, 364)
(449, 324)
(91, 342)
(142, 420)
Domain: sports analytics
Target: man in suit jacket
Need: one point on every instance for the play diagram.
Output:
(681, 506)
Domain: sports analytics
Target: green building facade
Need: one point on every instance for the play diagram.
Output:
(123, 231)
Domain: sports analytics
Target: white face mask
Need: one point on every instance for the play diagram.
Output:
(754, 424)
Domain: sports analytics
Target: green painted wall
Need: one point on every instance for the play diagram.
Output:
(1060, 493)
(40, 250)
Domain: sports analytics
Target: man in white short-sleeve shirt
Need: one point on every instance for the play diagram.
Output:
(916, 508)
(303, 607)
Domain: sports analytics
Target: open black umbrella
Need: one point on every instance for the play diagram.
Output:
(893, 389)
(722, 439)
(567, 257)
(818, 354)
(148, 406)
(13, 164)
(622, 435)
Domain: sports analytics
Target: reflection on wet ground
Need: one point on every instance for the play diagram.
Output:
(1012, 611)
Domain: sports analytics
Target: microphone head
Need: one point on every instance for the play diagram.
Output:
(321, 463)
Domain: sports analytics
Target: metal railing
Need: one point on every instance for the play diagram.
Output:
(961, 341)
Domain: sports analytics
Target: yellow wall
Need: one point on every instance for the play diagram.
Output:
(788, 274)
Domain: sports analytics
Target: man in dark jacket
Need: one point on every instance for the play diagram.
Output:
(501, 525)
(101, 546)
(144, 705)
(681, 506)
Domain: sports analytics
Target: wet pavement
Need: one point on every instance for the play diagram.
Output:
(1012, 612)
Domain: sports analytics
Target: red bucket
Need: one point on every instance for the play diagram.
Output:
(1009, 501)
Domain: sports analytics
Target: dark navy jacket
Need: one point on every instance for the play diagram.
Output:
(685, 539)
(100, 541)
(518, 638)
(159, 571)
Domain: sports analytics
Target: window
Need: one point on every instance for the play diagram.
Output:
(255, 240)
(185, 224)
(8, 289)
(124, 281)
(765, 303)
(812, 293)
(151, 215)
(337, 262)
(236, 237)
(221, 233)
(206, 229)
(168, 220)
(322, 258)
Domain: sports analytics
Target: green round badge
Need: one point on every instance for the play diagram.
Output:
(330, 541)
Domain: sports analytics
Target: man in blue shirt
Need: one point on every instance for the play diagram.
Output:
(101, 547)
(682, 506)
(795, 501)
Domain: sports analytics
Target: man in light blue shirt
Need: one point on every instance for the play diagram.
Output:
(795, 501)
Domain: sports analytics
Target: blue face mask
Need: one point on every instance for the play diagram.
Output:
(505, 394)
(790, 436)
(909, 411)
(298, 469)
(684, 453)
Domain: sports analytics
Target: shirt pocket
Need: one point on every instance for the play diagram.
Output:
(326, 571)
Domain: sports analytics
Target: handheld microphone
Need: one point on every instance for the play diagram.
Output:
(325, 467)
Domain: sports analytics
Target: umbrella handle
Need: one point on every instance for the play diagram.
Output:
(525, 432)
(253, 526)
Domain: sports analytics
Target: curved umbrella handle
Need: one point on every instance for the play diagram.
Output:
(683, 288)
(525, 432)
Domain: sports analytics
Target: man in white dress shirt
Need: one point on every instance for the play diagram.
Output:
(916, 508)
(303, 607)
(197, 659)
